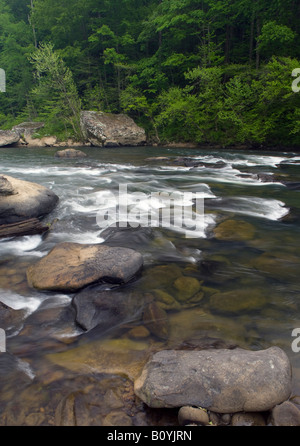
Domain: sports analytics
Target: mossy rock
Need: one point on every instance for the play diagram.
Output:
(162, 276)
(156, 320)
(278, 265)
(186, 287)
(234, 230)
(237, 300)
(165, 300)
(196, 298)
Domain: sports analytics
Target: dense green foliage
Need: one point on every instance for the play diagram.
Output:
(208, 71)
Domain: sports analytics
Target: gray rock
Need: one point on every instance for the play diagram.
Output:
(70, 153)
(155, 319)
(30, 200)
(111, 130)
(8, 137)
(104, 309)
(223, 381)
(285, 414)
(72, 266)
(188, 415)
(6, 187)
(28, 128)
(248, 419)
(12, 371)
(10, 318)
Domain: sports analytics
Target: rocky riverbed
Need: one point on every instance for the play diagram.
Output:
(143, 327)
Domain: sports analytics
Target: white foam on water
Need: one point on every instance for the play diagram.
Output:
(22, 246)
(259, 160)
(270, 209)
(25, 367)
(18, 302)
(85, 238)
(243, 160)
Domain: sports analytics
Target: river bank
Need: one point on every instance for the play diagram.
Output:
(52, 141)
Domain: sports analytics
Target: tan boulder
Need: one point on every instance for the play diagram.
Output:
(72, 266)
(25, 200)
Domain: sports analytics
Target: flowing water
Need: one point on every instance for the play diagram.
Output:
(232, 280)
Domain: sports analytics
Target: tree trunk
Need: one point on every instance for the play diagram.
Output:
(32, 25)
(227, 43)
(28, 227)
(257, 42)
(251, 38)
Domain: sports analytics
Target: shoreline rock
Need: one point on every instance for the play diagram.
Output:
(111, 130)
(28, 128)
(8, 137)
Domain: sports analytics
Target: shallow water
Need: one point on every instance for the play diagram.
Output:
(206, 289)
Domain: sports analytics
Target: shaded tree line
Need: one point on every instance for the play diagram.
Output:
(205, 71)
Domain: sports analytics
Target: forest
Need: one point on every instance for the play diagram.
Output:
(203, 71)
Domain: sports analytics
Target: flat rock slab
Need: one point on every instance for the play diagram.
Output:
(72, 266)
(223, 381)
(26, 200)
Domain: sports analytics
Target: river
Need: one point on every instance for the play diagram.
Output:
(249, 280)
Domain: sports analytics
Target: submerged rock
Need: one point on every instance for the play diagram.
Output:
(186, 287)
(70, 153)
(104, 309)
(72, 266)
(26, 200)
(280, 265)
(237, 300)
(10, 318)
(223, 381)
(155, 319)
(194, 162)
(234, 230)
(127, 236)
(111, 130)
(163, 276)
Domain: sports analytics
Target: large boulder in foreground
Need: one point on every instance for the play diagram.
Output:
(23, 200)
(72, 266)
(8, 137)
(223, 381)
(111, 130)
